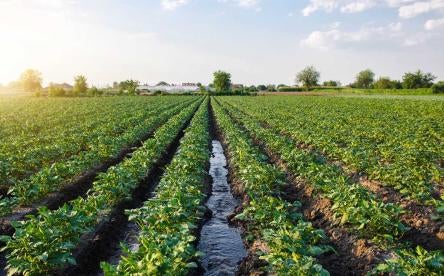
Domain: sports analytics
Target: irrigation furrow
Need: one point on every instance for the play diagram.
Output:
(279, 241)
(251, 263)
(219, 240)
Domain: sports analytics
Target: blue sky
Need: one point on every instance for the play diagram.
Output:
(258, 41)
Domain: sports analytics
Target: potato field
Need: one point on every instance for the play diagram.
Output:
(222, 185)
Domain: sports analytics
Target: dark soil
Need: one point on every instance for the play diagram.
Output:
(103, 243)
(76, 188)
(354, 255)
(207, 190)
(424, 231)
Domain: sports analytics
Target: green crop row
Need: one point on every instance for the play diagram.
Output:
(407, 261)
(44, 243)
(51, 178)
(397, 142)
(352, 204)
(168, 221)
(38, 142)
(289, 244)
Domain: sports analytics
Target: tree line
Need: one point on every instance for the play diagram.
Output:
(308, 78)
(31, 81)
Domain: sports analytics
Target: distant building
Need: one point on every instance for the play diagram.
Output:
(173, 88)
(189, 84)
(237, 86)
(64, 85)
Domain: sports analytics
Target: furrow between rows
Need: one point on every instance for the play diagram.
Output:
(47, 242)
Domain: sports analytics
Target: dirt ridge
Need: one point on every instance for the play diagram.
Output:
(208, 189)
(75, 188)
(354, 255)
(424, 231)
(98, 245)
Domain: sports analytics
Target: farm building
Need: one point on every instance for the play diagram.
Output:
(173, 88)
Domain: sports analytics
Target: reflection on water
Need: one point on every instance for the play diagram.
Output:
(221, 244)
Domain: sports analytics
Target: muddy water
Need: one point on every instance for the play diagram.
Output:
(221, 244)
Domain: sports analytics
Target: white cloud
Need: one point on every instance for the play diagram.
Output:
(406, 8)
(324, 40)
(247, 3)
(335, 25)
(358, 6)
(398, 3)
(315, 5)
(433, 24)
(173, 4)
(417, 8)
(244, 3)
(417, 39)
(37, 4)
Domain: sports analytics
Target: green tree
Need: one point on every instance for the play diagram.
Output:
(271, 88)
(331, 83)
(93, 91)
(365, 79)
(384, 83)
(253, 88)
(202, 88)
(80, 85)
(397, 84)
(56, 91)
(222, 81)
(418, 79)
(262, 87)
(129, 86)
(162, 83)
(438, 87)
(31, 80)
(309, 77)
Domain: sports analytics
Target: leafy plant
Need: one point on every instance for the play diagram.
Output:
(80, 151)
(269, 218)
(44, 243)
(167, 221)
(414, 262)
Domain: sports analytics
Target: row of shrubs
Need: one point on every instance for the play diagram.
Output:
(95, 92)
(435, 89)
(54, 91)
(438, 87)
(234, 93)
(61, 92)
(303, 89)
